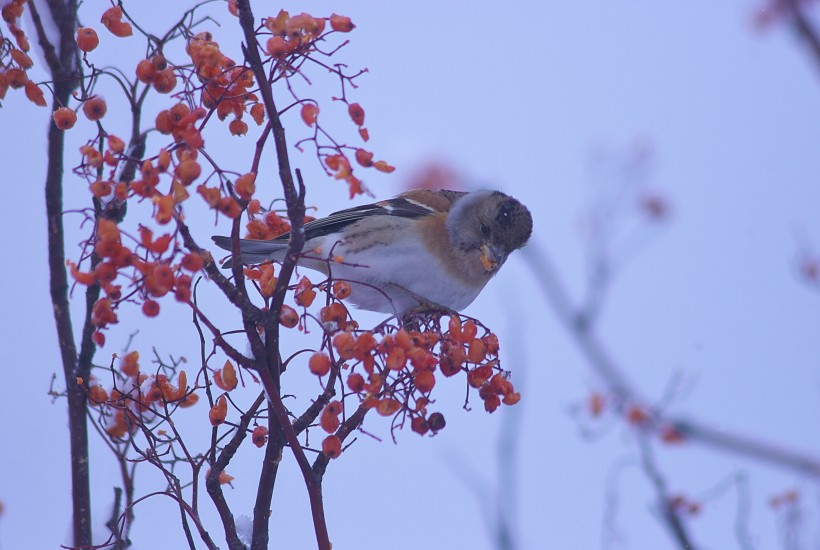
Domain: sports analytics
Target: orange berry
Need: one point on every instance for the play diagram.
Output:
(150, 308)
(224, 478)
(479, 376)
(164, 123)
(97, 395)
(107, 230)
(21, 59)
(94, 108)
(596, 403)
(276, 224)
(396, 359)
(365, 343)
(341, 290)
(117, 426)
(636, 414)
(259, 436)
(182, 293)
(105, 273)
(121, 29)
(355, 382)
(159, 280)
(491, 344)
(17, 77)
(277, 47)
(329, 421)
(81, 277)
(100, 188)
(245, 185)
(258, 113)
(454, 328)
(229, 207)
(237, 127)
(288, 317)
(163, 160)
(35, 94)
(187, 171)
(319, 364)
(388, 406)
(468, 331)
(424, 380)
(334, 313)
(365, 158)
(332, 446)
(354, 186)
(64, 118)
(114, 292)
(189, 400)
(165, 81)
(309, 113)
(99, 338)
(116, 144)
(129, 364)
(218, 412)
(419, 425)
(179, 113)
(491, 403)
(334, 408)
(112, 20)
(382, 166)
(452, 359)
(225, 377)
(146, 72)
(159, 62)
(511, 398)
(345, 344)
(341, 23)
(476, 351)
(87, 39)
(12, 11)
(403, 340)
(670, 434)
(500, 384)
(356, 113)
(192, 261)
(305, 296)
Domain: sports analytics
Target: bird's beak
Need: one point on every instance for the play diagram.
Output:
(492, 256)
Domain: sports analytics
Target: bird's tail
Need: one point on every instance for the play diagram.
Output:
(253, 252)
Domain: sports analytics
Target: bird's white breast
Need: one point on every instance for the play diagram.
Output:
(380, 272)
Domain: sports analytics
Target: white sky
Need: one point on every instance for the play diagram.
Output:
(518, 98)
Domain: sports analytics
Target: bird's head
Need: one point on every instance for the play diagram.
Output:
(492, 224)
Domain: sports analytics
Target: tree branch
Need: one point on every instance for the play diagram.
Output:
(805, 29)
(608, 369)
(61, 60)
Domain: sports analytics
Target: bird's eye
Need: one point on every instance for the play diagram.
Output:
(485, 230)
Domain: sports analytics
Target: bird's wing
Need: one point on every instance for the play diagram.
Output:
(412, 204)
(407, 205)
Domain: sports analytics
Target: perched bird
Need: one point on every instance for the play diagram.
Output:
(420, 250)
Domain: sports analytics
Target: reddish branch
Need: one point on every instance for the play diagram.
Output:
(212, 482)
(269, 362)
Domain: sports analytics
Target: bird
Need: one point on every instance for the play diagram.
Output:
(421, 250)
